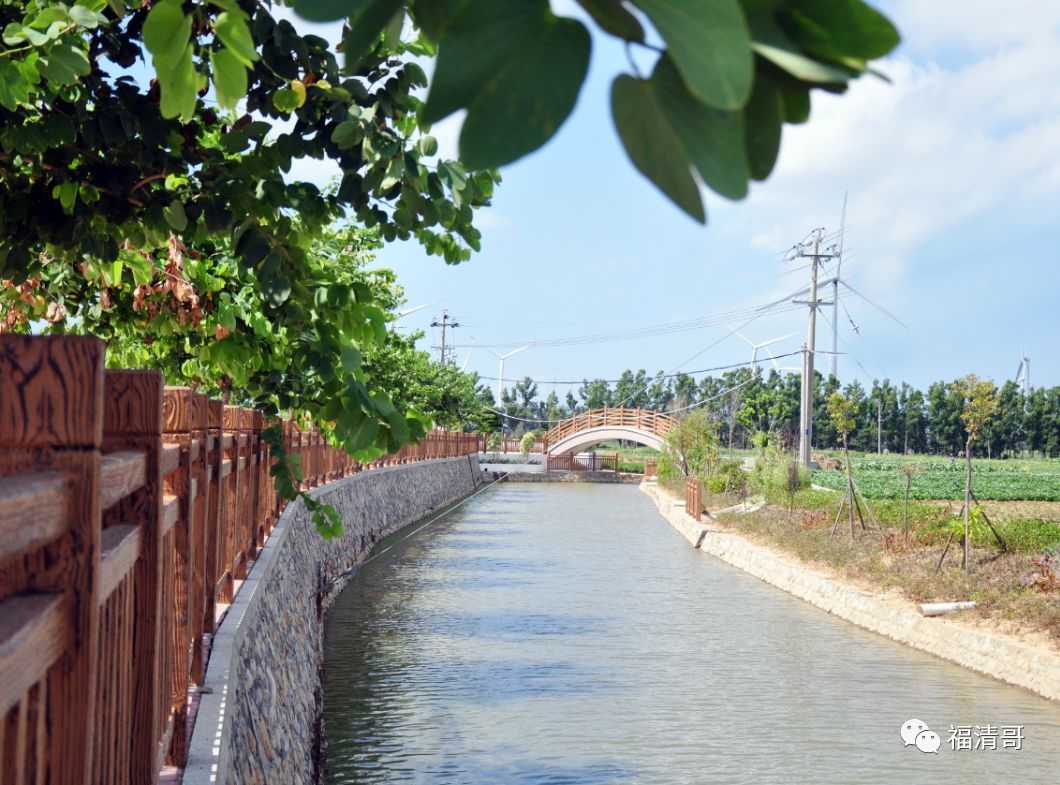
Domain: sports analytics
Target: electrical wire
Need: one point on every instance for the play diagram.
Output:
(712, 320)
(668, 375)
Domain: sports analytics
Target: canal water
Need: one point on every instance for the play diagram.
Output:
(566, 635)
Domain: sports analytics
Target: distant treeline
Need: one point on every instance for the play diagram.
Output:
(746, 403)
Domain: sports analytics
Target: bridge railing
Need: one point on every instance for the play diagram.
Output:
(512, 444)
(587, 462)
(652, 422)
(129, 511)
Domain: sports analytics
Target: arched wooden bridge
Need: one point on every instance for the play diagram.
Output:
(601, 425)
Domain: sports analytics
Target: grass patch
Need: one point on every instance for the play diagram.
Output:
(1012, 588)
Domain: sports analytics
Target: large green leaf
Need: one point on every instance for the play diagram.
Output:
(712, 138)
(14, 89)
(614, 18)
(476, 44)
(166, 33)
(763, 120)
(772, 43)
(710, 45)
(365, 27)
(65, 63)
(179, 87)
(234, 33)
(652, 145)
(839, 28)
(229, 77)
(434, 16)
(518, 70)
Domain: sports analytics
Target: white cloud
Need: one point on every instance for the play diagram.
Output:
(973, 25)
(929, 152)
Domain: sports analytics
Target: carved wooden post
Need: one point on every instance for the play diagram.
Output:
(232, 477)
(51, 418)
(176, 423)
(133, 421)
(200, 481)
(215, 513)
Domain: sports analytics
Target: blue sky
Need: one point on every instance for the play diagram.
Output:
(953, 171)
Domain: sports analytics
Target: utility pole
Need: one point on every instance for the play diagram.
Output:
(835, 289)
(444, 323)
(806, 406)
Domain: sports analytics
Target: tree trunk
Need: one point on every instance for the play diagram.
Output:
(967, 498)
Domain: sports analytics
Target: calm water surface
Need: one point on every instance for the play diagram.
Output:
(565, 634)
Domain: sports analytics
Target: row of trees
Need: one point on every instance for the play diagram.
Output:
(746, 404)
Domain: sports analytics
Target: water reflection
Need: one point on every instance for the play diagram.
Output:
(588, 644)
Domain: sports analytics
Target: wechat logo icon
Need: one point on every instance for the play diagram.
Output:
(917, 733)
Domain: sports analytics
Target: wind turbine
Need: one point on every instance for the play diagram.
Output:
(755, 347)
(1024, 373)
(408, 311)
(500, 373)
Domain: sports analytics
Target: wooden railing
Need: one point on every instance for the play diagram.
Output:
(587, 462)
(514, 444)
(694, 497)
(128, 513)
(640, 419)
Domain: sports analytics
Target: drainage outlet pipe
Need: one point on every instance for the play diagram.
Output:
(942, 608)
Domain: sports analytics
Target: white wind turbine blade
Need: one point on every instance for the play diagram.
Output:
(776, 340)
(742, 337)
(408, 311)
(878, 307)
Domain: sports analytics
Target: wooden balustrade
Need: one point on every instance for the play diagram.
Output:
(694, 497)
(586, 462)
(655, 423)
(129, 511)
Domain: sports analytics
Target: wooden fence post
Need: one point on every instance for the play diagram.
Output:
(133, 421)
(200, 480)
(177, 430)
(51, 418)
(215, 513)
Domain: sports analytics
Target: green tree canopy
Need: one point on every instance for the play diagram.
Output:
(146, 149)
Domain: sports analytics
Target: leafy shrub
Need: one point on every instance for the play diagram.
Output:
(777, 476)
(727, 477)
(526, 444)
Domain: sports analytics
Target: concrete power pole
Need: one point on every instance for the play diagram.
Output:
(444, 323)
(835, 290)
(806, 406)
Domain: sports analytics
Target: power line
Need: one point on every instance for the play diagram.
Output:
(713, 320)
(669, 375)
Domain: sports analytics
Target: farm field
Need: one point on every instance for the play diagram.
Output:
(879, 477)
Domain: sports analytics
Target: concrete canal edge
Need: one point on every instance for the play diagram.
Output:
(1002, 656)
(258, 718)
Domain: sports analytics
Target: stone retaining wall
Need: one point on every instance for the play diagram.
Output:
(1002, 656)
(259, 711)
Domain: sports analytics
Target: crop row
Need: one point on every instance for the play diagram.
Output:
(890, 484)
